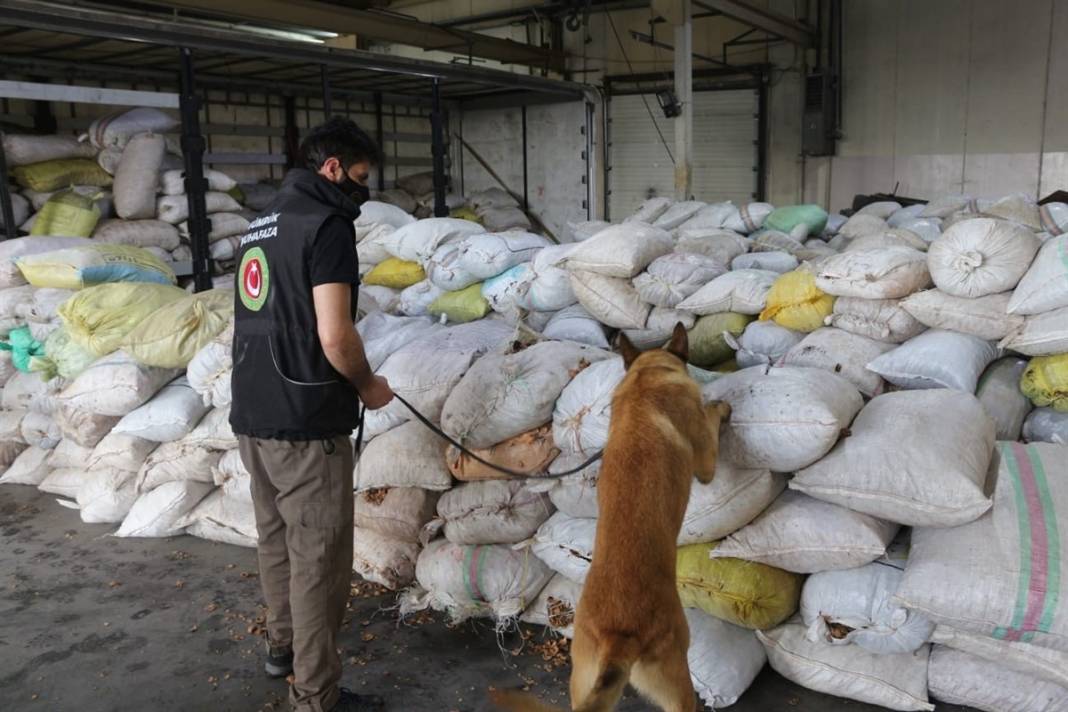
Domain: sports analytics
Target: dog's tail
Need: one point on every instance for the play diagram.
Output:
(602, 697)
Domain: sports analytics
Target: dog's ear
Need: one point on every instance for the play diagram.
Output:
(680, 342)
(627, 350)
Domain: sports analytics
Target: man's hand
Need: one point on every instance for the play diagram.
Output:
(376, 394)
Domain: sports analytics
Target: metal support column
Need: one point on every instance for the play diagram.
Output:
(526, 196)
(762, 139)
(437, 137)
(684, 93)
(291, 136)
(328, 105)
(195, 184)
(380, 139)
(11, 230)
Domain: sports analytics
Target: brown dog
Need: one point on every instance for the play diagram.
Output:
(629, 626)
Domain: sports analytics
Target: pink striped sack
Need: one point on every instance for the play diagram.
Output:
(1006, 574)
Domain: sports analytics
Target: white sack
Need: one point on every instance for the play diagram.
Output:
(398, 512)
(174, 461)
(982, 317)
(136, 177)
(650, 210)
(981, 256)
(582, 412)
(620, 250)
(733, 499)
(1043, 663)
(383, 560)
(778, 262)
(884, 273)
(555, 606)
(506, 580)
(1041, 335)
(503, 395)
(565, 544)
(492, 512)
(879, 319)
(898, 682)
(409, 455)
(612, 301)
(783, 419)
(374, 212)
(937, 359)
(856, 607)
(24, 149)
(175, 208)
(416, 299)
(999, 392)
(1045, 285)
(106, 496)
(382, 334)
(417, 241)
(575, 324)
(937, 480)
(842, 353)
(742, 291)
(39, 430)
(170, 415)
(548, 287)
(1046, 425)
(64, 483)
(29, 468)
(114, 385)
(671, 278)
(220, 517)
(124, 453)
(721, 679)
(173, 182)
(138, 233)
(762, 342)
(157, 513)
(677, 214)
(802, 534)
(958, 678)
(721, 245)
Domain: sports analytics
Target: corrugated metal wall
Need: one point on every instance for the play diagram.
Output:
(725, 131)
(950, 96)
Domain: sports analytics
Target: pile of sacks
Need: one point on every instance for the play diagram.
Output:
(96, 404)
(123, 184)
(493, 208)
(883, 370)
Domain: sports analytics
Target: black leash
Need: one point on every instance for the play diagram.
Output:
(512, 473)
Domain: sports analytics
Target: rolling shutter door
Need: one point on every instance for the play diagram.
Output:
(725, 132)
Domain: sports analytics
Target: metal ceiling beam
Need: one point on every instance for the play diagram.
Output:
(771, 22)
(376, 26)
(56, 17)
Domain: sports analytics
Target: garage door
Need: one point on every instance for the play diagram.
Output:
(725, 150)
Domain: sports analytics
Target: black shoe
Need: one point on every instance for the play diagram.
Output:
(351, 702)
(279, 661)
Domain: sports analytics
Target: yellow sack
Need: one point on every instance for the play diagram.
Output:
(89, 265)
(67, 214)
(745, 593)
(461, 306)
(170, 336)
(395, 274)
(46, 176)
(465, 213)
(1045, 382)
(99, 318)
(794, 302)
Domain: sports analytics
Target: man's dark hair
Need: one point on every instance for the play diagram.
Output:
(341, 138)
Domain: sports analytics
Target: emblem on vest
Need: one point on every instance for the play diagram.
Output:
(255, 279)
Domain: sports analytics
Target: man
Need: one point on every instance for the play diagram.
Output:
(299, 374)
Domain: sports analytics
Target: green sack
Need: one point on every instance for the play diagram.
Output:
(46, 176)
(708, 348)
(62, 356)
(23, 348)
(67, 214)
(785, 219)
(237, 194)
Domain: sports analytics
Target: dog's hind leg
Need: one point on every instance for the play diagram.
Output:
(665, 681)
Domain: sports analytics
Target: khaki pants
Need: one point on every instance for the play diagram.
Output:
(302, 493)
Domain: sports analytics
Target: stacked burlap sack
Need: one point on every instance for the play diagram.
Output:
(123, 184)
(869, 402)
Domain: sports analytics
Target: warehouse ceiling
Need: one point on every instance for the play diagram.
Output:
(76, 43)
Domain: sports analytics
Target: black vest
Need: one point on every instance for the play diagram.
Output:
(283, 386)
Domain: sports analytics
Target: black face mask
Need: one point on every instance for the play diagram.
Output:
(359, 194)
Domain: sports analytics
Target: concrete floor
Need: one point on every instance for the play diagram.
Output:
(93, 623)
